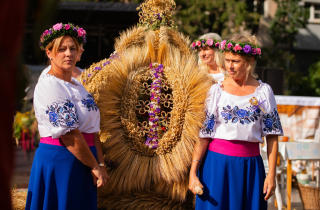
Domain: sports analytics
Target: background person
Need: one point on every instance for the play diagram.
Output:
(210, 57)
(240, 111)
(65, 167)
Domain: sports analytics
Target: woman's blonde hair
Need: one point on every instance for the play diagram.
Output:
(253, 41)
(54, 45)
(218, 56)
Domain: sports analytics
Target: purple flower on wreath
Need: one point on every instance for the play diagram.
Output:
(50, 32)
(247, 49)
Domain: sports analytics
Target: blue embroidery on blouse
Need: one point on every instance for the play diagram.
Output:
(240, 115)
(62, 114)
(90, 103)
(272, 122)
(208, 125)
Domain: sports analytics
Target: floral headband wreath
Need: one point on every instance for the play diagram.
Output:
(60, 29)
(241, 48)
(196, 44)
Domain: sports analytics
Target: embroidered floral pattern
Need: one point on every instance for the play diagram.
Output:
(243, 116)
(62, 114)
(272, 122)
(90, 103)
(208, 125)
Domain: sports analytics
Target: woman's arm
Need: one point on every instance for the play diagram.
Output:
(77, 145)
(272, 151)
(100, 154)
(200, 149)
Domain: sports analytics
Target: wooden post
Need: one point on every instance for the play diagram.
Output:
(289, 184)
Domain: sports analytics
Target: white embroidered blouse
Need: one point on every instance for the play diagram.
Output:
(218, 77)
(232, 117)
(61, 107)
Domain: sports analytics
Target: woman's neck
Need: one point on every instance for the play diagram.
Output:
(61, 74)
(213, 69)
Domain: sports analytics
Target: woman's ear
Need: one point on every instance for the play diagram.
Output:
(49, 54)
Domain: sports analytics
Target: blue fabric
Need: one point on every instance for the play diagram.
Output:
(59, 181)
(231, 183)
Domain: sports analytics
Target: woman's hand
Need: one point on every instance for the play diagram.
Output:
(269, 186)
(193, 182)
(99, 175)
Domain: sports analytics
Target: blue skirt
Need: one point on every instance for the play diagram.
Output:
(59, 181)
(231, 183)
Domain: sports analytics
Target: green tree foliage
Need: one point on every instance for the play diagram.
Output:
(196, 17)
(289, 17)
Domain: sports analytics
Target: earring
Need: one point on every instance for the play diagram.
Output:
(50, 59)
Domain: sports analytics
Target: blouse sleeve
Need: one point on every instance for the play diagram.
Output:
(208, 127)
(270, 122)
(54, 107)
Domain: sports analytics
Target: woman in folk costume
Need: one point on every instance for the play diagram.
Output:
(69, 159)
(240, 111)
(210, 57)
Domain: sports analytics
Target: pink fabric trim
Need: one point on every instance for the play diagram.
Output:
(234, 147)
(89, 137)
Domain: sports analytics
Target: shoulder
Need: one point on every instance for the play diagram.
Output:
(265, 88)
(51, 86)
(80, 69)
(44, 72)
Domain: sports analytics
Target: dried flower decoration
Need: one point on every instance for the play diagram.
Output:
(154, 113)
(156, 13)
(61, 29)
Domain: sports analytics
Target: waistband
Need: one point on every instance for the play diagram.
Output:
(234, 147)
(89, 137)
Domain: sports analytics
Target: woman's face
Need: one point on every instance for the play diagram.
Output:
(65, 57)
(207, 55)
(235, 65)
(81, 50)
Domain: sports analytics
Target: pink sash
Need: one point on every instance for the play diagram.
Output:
(89, 137)
(234, 147)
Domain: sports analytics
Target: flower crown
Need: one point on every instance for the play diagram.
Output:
(196, 44)
(241, 48)
(60, 29)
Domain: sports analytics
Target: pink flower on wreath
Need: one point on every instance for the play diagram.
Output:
(193, 44)
(210, 42)
(67, 26)
(258, 51)
(80, 33)
(45, 33)
(237, 47)
(254, 51)
(217, 44)
(223, 44)
(230, 45)
(198, 43)
(41, 38)
(57, 26)
(84, 32)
